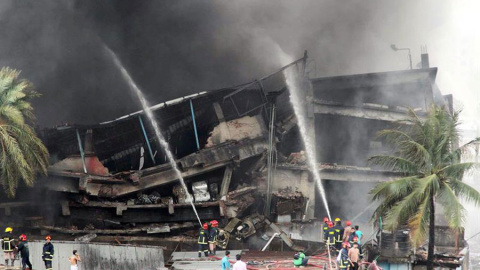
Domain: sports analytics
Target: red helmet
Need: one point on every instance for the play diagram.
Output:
(48, 237)
(330, 224)
(348, 223)
(348, 244)
(205, 226)
(23, 237)
(355, 239)
(214, 223)
(325, 219)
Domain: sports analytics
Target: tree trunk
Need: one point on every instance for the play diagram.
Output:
(431, 233)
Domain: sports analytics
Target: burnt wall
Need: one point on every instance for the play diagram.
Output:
(348, 140)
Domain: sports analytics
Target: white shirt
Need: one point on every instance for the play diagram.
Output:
(239, 265)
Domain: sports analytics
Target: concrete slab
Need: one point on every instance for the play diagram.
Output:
(193, 256)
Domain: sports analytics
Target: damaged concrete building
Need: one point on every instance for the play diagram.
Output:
(242, 157)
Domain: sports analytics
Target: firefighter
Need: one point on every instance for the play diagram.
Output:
(202, 240)
(330, 235)
(338, 233)
(325, 228)
(48, 252)
(24, 252)
(212, 237)
(8, 246)
(343, 260)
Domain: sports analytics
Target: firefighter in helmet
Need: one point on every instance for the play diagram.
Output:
(48, 252)
(203, 240)
(325, 228)
(8, 246)
(338, 233)
(212, 237)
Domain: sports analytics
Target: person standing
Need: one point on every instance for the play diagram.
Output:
(24, 252)
(48, 252)
(74, 259)
(325, 228)
(8, 246)
(342, 259)
(330, 235)
(239, 265)
(212, 237)
(354, 255)
(203, 240)
(338, 233)
(359, 234)
(347, 230)
(225, 261)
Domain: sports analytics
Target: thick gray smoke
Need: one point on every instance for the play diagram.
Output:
(180, 47)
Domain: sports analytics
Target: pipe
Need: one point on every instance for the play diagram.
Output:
(270, 241)
(194, 125)
(146, 139)
(82, 154)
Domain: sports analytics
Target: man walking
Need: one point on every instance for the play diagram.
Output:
(225, 261)
(8, 246)
(239, 265)
(74, 259)
(48, 252)
(24, 252)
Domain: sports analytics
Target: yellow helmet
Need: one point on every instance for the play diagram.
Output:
(337, 219)
(9, 229)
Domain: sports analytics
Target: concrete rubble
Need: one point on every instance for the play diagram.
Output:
(125, 191)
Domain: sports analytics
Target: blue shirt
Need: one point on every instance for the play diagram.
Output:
(359, 235)
(225, 263)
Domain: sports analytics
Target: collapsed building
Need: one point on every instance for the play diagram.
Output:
(241, 155)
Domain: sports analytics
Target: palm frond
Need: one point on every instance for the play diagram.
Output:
(394, 163)
(465, 191)
(457, 170)
(419, 222)
(452, 206)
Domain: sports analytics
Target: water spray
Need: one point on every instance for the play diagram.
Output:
(153, 122)
(294, 87)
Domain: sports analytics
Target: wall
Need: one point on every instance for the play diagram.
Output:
(297, 180)
(100, 256)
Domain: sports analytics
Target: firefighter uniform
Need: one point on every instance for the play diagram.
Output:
(8, 246)
(47, 255)
(202, 242)
(331, 237)
(325, 229)
(212, 239)
(338, 235)
(344, 262)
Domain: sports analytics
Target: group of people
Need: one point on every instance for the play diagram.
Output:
(207, 239)
(238, 265)
(344, 240)
(10, 248)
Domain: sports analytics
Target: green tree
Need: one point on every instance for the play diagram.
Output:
(426, 151)
(23, 154)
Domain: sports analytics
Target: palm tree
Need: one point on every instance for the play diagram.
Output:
(426, 151)
(23, 154)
